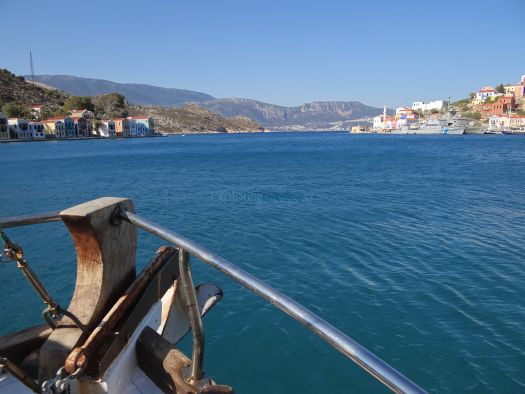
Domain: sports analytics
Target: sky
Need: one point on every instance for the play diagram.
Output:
(281, 52)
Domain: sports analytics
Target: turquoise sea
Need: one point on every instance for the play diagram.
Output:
(412, 245)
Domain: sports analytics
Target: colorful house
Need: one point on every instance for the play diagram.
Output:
(513, 122)
(501, 106)
(486, 92)
(121, 127)
(132, 127)
(55, 127)
(82, 128)
(85, 114)
(4, 127)
(147, 127)
(19, 129)
(37, 130)
(69, 127)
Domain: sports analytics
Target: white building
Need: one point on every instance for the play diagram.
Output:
(20, 128)
(4, 127)
(486, 92)
(436, 104)
(37, 130)
(107, 129)
(514, 122)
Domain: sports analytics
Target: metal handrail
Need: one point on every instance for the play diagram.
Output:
(19, 221)
(376, 367)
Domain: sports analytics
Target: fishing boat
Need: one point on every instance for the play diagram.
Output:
(120, 332)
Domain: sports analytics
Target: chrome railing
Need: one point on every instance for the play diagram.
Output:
(376, 367)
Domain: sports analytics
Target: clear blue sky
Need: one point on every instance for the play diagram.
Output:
(283, 52)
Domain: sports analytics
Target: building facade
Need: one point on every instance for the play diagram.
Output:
(501, 106)
(107, 129)
(82, 128)
(486, 92)
(19, 129)
(69, 127)
(436, 104)
(54, 127)
(145, 125)
(37, 130)
(121, 127)
(4, 127)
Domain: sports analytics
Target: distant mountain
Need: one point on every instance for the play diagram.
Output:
(319, 115)
(135, 93)
(325, 115)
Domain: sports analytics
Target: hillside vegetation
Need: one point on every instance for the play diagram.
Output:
(194, 119)
(17, 95)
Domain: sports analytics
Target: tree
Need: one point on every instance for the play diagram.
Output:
(79, 102)
(500, 88)
(16, 109)
(472, 95)
(111, 105)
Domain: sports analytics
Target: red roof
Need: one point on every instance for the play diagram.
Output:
(486, 90)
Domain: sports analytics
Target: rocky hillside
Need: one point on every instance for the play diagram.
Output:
(17, 89)
(135, 93)
(193, 119)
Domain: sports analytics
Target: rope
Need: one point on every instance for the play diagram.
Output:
(53, 312)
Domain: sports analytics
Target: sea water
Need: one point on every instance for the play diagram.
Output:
(412, 245)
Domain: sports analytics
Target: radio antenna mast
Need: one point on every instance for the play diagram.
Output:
(32, 67)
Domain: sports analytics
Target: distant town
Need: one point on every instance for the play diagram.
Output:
(79, 124)
(491, 109)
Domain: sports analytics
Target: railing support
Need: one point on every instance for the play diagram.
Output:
(376, 367)
(190, 297)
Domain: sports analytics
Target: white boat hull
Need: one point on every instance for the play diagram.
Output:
(431, 131)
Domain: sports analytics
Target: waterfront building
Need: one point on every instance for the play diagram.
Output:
(37, 130)
(4, 127)
(147, 127)
(19, 129)
(132, 127)
(436, 104)
(81, 127)
(107, 129)
(54, 127)
(358, 129)
(69, 127)
(121, 127)
(87, 115)
(505, 122)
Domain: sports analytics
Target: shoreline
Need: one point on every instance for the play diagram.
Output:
(76, 139)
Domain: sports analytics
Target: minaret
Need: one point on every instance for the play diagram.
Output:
(384, 114)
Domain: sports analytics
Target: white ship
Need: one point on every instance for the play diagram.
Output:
(432, 126)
